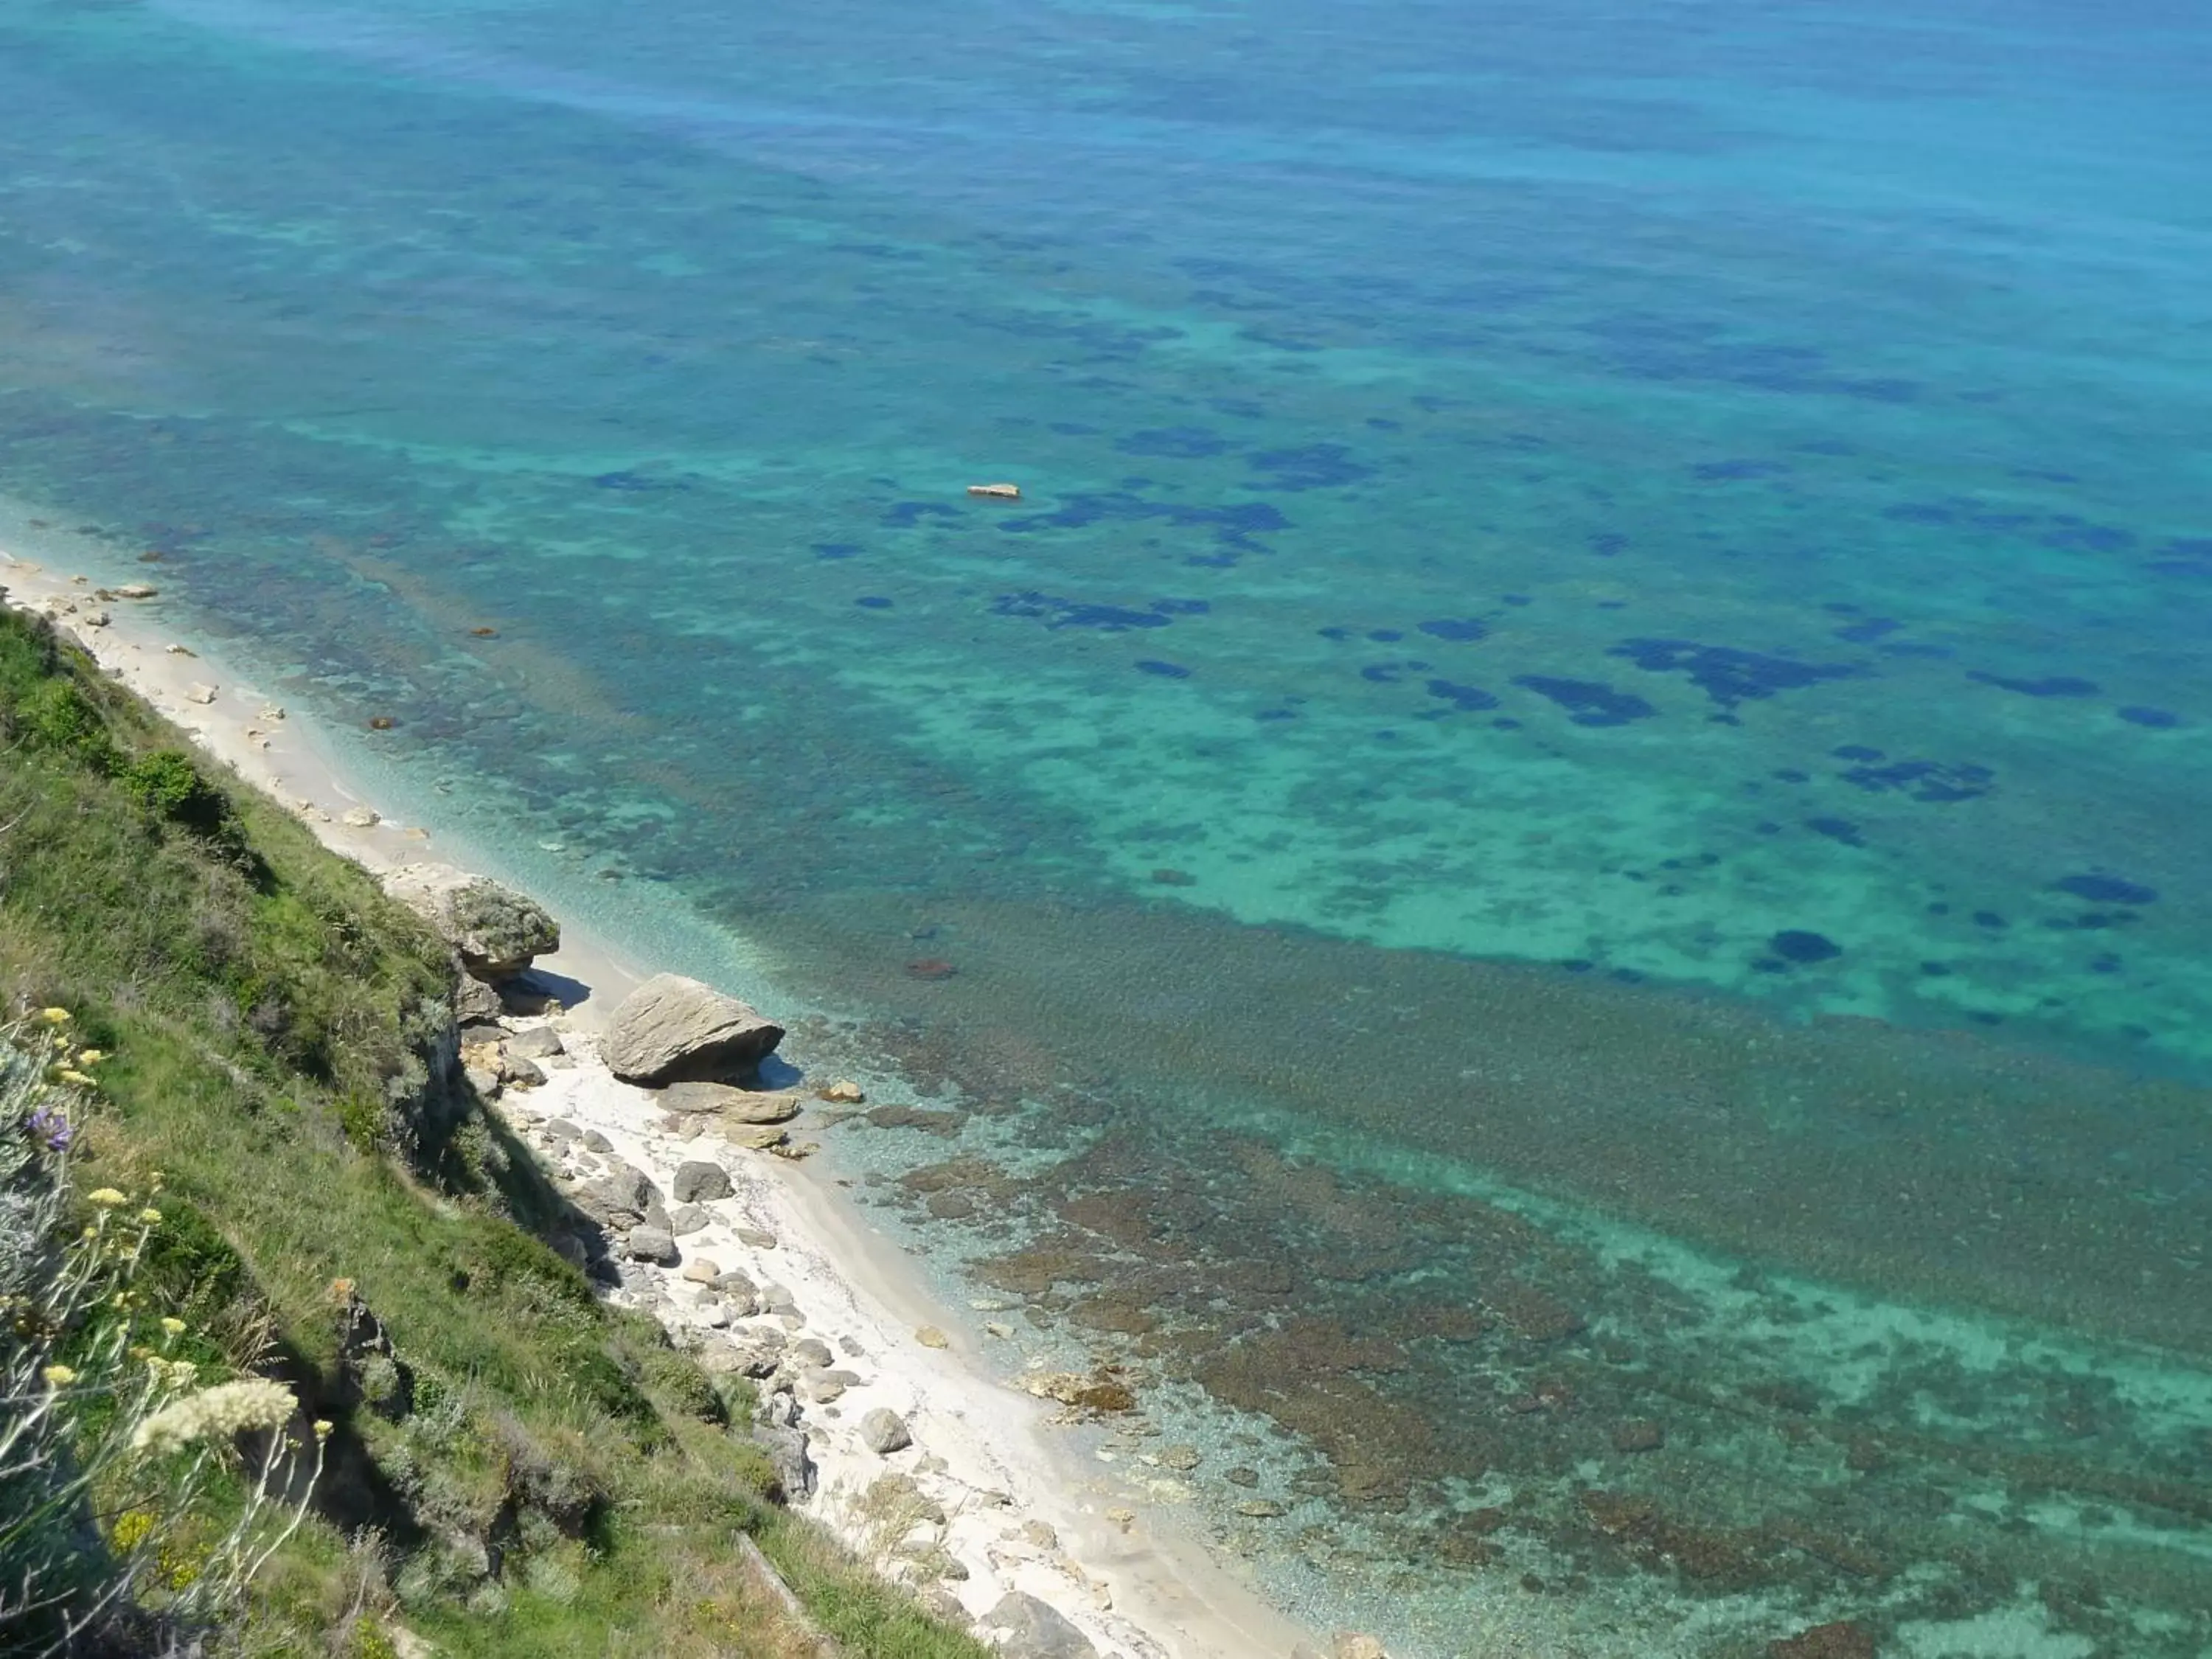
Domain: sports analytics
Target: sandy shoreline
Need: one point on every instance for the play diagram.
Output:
(1023, 1511)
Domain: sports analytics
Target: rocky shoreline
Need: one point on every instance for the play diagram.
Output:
(680, 1159)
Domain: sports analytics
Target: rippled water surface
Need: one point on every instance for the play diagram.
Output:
(1554, 871)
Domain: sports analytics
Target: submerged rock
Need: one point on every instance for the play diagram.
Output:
(496, 932)
(672, 1029)
(1844, 1639)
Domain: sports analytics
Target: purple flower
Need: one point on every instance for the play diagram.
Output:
(50, 1127)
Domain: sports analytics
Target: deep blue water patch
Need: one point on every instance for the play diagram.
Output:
(2158, 719)
(1868, 630)
(1311, 466)
(2052, 685)
(1588, 702)
(837, 549)
(1177, 442)
(2106, 890)
(1842, 829)
(1457, 628)
(2186, 555)
(1056, 612)
(1462, 696)
(873, 602)
(904, 515)
(1236, 529)
(1166, 671)
(1796, 945)
(1727, 675)
(1929, 781)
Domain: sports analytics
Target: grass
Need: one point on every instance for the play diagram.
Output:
(565, 1482)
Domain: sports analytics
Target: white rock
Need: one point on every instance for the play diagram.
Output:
(361, 817)
(200, 691)
(884, 1432)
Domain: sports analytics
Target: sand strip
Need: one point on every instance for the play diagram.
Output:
(1101, 1545)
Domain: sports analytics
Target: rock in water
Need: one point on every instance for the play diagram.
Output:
(671, 1028)
(884, 1432)
(1035, 1630)
(497, 931)
(700, 1183)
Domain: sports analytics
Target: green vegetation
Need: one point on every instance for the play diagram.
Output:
(512, 1468)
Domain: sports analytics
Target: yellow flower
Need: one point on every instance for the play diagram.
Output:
(132, 1528)
(173, 1325)
(323, 1426)
(90, 1056)
(77, 1077)
(55, 1015)
(150, 1216)
(154, 1181)
(58, 1376)
(106, 1197)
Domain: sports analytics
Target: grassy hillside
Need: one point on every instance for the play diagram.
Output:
(528, 1472)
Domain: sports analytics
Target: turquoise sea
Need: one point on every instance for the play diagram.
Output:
(1555, 869)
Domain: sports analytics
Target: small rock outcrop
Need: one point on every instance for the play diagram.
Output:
(618, 1199)
(496, 932)
(700, 1183)
(787, 1452)
(651, 1244)
(672, 1030)
(538, 1042)
(1032, 1630)
(884, 1432)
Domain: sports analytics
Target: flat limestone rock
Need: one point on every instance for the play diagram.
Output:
(673, 1029)
(720, 1100)
(497, 931)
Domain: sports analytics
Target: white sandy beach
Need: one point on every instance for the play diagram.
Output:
(1103, 1544)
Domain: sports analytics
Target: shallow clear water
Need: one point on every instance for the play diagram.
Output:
(1574, 799)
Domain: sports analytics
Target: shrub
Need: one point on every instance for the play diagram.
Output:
(54, 714)
(166, 785)
(98, 1410)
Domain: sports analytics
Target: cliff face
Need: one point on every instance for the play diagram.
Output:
(513, 1466)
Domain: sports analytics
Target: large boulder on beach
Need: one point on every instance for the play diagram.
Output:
(1030, 1629)
(698, 1182)
(882, 1431)
(496, 932)
(674, 1030)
